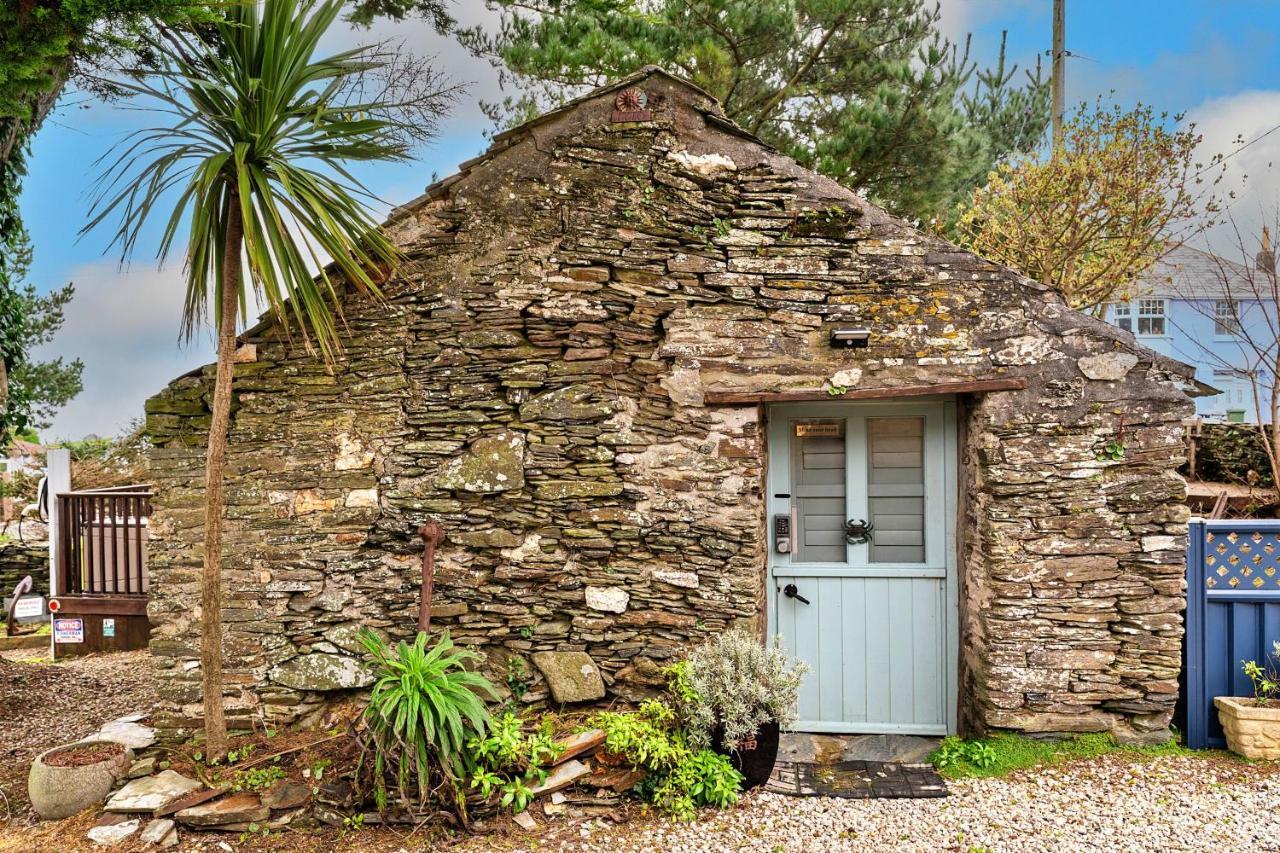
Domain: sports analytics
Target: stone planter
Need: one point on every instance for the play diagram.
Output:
(61, 791)
(752, 757)
(1252, 731)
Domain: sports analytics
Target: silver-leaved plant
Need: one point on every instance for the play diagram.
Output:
(736, 682)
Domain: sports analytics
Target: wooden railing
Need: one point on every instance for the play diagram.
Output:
(102, 541)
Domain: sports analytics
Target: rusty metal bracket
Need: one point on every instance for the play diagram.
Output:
(22, 588)
(432, 534)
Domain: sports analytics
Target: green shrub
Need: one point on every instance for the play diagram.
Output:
(511, 761)
(678, 779)
(736, 682)
(424, 709)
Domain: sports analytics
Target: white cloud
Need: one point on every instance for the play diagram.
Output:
(123, 323)
(1252, 172)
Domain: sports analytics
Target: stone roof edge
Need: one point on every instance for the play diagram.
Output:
(514, 135)
(829, 188)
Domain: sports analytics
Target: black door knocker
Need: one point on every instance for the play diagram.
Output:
(857, 532)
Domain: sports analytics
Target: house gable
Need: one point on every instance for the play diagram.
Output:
(548, 380)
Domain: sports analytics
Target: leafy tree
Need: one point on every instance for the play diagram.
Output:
(1123, 191)
(30, 390)
(865, 91)
(259, 134)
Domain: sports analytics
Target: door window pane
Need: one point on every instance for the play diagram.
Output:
(818, 490)
(895, 489)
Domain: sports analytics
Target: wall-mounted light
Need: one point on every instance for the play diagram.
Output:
(850, 337)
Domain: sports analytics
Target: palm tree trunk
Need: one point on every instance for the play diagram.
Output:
(215, 723)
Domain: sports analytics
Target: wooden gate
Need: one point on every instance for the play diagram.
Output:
(101, 580)
(1233, 615)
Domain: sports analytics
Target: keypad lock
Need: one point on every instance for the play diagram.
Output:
(782, 533)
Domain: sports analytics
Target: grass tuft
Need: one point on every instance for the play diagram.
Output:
(1005, 752)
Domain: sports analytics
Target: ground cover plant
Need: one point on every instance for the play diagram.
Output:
(1003, 753)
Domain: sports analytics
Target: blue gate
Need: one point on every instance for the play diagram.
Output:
(1233, 614)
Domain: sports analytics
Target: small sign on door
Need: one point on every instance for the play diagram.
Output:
(108, 627)
(819, 429)
(68, 630)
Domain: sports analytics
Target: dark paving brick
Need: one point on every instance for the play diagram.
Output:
(856, 780)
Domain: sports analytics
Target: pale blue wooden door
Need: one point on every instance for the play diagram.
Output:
(878, 627)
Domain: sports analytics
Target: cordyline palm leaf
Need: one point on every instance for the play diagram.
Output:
(257, 122)
(257, 136)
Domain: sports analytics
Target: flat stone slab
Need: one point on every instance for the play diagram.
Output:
(322, 672)
(856, 780)
(562, 777)
(237, 808)
(113, 834)
(286, 795)
(576, 745)
(571, 676)
(127, 731)
(152, 793)
(160, 833)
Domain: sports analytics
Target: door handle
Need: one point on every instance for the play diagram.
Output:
(791, 591)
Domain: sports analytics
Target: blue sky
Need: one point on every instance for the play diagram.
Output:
(1218, 62)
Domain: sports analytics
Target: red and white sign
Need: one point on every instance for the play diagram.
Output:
(68, 630)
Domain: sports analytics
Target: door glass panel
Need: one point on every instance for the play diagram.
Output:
(818, 490)
(895, 489)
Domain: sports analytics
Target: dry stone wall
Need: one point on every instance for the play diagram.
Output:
(539, 383)
(18, 560)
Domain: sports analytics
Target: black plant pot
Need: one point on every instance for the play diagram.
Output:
(752, 757)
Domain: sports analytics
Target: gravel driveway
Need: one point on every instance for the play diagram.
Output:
(1113, 803)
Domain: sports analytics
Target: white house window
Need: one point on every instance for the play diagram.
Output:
(1225, 321)
(1123, 314)
(1151, 316)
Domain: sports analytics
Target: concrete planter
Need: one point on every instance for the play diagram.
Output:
(58, 792)
(1252, 731)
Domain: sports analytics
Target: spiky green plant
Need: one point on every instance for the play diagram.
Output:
(424, 708)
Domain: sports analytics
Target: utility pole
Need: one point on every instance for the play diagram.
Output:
(1059, 69)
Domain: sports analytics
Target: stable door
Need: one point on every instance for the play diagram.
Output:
(861, 533)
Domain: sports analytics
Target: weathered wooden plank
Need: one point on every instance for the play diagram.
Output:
(976, 386)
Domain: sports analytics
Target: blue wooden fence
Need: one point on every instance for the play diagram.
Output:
(1233, 614)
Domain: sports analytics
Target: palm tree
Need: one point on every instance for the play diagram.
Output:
(257, 136)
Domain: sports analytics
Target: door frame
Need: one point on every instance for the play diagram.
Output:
(777, 441)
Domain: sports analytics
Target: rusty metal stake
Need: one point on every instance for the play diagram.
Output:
(432, 535)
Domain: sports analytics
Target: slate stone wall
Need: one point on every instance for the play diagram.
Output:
(538, 382)
(17, 560)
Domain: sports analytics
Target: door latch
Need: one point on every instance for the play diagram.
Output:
(857, 532)
(792, 591)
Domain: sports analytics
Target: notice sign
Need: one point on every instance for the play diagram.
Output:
(68, 630)
(108, 627)
(29, 607)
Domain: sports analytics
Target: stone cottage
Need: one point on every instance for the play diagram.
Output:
(655, 380)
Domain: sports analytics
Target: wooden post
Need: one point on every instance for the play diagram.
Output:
(1059, 69)
(432, 535)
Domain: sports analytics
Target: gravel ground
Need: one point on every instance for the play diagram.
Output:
(44, 704)
(1114, 804)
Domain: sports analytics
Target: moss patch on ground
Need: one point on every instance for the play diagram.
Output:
(1004, 753)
